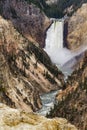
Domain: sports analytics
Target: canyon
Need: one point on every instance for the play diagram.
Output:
(72, 101)
(24, 74)
(28, 71)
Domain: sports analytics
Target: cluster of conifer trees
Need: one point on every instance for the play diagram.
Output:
(57, 10)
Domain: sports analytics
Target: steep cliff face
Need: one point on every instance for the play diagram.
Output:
(73, 100)
(25, 70)
(27, 19)
(13, 119)
(77, 28)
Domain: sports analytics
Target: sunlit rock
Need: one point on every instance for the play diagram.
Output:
(26, 71)
(77, 28)
(12, 119)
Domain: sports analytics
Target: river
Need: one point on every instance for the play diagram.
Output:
(48, 101)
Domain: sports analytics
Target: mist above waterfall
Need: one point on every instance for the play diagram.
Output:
(54, 47)
(59, 55)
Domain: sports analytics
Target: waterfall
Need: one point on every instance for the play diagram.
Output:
(54, 43)
(54, 36)
(61, 56)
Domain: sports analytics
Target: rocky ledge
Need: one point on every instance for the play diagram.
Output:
(13, 119)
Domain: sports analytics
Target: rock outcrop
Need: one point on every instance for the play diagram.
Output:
(27, 18)
(26, 71)
(13, 119)
(77, 28)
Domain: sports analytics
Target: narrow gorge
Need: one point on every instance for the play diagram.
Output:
(43, 65)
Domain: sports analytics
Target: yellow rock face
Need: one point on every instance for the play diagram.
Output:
(13, 119)
(77, 28)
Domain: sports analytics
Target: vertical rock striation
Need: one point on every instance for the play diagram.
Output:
(77, 28)
(26, 71)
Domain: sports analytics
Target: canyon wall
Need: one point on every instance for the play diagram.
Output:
(26, 71)
(27, 18)
(77, 28)
(72, 101)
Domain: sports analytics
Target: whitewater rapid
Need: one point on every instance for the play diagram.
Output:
(48, 101)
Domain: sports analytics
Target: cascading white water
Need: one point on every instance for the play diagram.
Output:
(54, 43)
(54, 35)
(54, 47)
